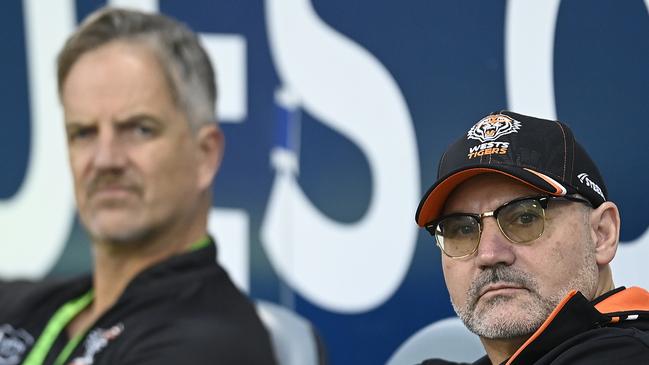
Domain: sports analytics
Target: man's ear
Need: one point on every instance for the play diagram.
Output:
(210, 142)
(605, 231)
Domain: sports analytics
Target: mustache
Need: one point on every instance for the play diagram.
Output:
(500, 274)
(111, 179)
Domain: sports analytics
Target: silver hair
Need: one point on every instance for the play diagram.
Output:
(184, 61)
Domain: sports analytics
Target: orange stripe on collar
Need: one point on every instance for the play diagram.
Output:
(630, 299)
(545, 324)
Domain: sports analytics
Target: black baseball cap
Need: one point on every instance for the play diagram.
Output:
(537, 152)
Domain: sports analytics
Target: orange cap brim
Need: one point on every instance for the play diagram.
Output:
(433, 202)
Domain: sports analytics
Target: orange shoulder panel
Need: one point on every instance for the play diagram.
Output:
(630, 299)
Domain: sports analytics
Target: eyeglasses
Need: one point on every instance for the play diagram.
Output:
(521, 220)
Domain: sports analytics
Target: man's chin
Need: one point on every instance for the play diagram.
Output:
(503, 307)
(503, 324)
(505, 317)
(123, 238)
(120, 231)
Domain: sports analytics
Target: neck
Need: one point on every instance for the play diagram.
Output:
(117, 264)
(605, 282)
(500, 350)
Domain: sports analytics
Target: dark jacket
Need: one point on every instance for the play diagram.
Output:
(184, 310)
(612, 329)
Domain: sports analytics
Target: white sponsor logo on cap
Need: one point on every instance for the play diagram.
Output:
(584, 179)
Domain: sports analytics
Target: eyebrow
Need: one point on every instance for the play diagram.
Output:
(132, 119)
(139, 117)
(75, 125)
(78, 122)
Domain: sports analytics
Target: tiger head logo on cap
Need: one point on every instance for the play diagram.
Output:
(492, 127)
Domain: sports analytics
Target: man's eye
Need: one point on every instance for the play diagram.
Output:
(80, 134)
(459, 229)
(466, 229)
(525, 218)
(143, 130)
(139, 130)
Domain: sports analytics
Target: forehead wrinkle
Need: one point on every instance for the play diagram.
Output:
(115, 57)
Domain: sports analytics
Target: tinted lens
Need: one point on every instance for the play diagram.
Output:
(522, 221)
(458, 235)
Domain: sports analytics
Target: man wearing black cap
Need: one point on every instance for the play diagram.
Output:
(521, 214)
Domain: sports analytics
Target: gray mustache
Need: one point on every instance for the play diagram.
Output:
(500, 274)
(111, 180)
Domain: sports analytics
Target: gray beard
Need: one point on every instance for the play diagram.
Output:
(505, 325)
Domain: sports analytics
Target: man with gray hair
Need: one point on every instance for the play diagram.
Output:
(138, 94)
(522, 217)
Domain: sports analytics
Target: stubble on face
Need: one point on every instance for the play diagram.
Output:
(98, 205)
(495, 317)
(506, 317)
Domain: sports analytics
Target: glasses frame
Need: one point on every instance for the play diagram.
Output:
(543, 201)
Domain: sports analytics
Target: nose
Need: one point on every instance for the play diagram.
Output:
(494, 248)
(108, 153)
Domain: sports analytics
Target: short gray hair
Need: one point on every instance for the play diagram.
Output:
(185, 63)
